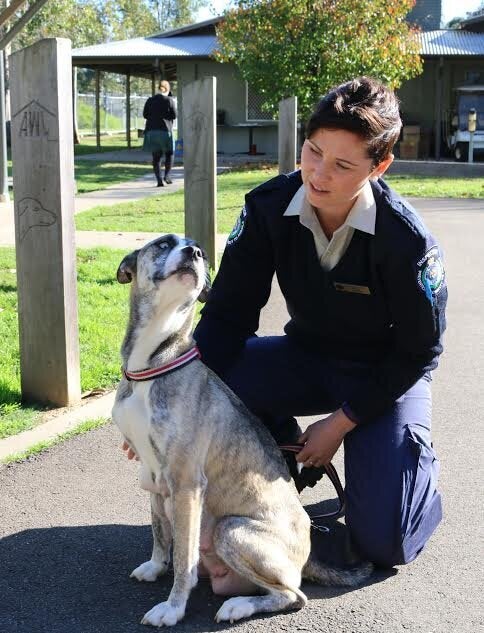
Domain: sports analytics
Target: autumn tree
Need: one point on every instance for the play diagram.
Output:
(304, 47)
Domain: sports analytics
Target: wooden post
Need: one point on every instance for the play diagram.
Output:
(43, 154)
(128, 109)
(200, 161)
(287, 135)
(98, 109)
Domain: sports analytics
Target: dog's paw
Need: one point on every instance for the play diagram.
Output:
(163, 614)
(235, 609)
(148, 571)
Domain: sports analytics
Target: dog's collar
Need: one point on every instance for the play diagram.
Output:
(151, 373)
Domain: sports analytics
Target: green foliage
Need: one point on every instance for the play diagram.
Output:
(304, 47)
(87, 22)
(172, 13)
(79, 20)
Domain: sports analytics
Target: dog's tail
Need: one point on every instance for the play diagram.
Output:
(323, 574)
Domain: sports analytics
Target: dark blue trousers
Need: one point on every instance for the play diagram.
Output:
(390, 467)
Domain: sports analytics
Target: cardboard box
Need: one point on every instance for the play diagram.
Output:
(409, 149)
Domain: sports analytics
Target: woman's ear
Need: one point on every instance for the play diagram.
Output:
(381, 168)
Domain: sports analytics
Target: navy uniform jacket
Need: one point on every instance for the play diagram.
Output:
(383, 303)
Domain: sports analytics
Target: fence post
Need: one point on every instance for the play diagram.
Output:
(200, 163)
(42, 151)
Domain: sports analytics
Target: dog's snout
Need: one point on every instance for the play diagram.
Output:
(192, 251)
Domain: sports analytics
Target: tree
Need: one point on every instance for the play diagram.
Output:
(172, 13)
(80, 21)
(304, 47)
(125, 19)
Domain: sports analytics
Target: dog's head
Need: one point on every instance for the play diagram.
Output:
(177, 263)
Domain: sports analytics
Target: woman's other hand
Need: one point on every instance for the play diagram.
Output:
(323, 438)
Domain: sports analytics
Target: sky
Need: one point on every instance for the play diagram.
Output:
(450, 9)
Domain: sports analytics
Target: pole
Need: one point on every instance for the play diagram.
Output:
(98, 112)
(128, 109)
(4, 196)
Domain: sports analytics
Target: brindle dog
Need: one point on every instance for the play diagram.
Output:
(220, 489)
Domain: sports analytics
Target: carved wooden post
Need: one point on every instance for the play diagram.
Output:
(200, 161)
(287, 135)
(42, 152)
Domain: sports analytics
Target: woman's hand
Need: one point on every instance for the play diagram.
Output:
(323, 438)
(130, 454)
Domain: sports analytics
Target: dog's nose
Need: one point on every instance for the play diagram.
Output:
(192, 251)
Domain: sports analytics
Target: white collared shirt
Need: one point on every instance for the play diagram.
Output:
(362, 216)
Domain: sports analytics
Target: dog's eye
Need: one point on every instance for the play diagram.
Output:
(163, 245)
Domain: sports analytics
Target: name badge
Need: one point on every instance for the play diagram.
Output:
(360, 290)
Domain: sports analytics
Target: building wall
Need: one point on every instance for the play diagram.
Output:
(231, 98)
(419, 96)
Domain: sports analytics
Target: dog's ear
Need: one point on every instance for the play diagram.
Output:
(203, 296)
(127, 268)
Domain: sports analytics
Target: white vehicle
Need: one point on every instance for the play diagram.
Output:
(456, 133)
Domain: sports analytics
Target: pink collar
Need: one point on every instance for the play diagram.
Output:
(150, 374)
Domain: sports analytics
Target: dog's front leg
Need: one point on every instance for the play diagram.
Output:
(187, 511)
(160, 557)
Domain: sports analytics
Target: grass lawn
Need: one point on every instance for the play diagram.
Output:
(429, 187)
(164, 213)
(108, 144)
(102, 318)
(95, 175)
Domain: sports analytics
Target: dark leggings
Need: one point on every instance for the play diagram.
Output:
(156, 164)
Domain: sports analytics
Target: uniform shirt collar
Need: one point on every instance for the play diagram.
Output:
(362, 215)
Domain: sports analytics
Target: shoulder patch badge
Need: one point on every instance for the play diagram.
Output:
(431, 273)
(238, 228)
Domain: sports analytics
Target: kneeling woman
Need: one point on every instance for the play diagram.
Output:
(365, 290)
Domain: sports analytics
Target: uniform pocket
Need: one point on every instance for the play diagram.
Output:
(421, 502)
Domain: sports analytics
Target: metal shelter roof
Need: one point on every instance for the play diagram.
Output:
(177, 46)
(451, 43)
(199, 41)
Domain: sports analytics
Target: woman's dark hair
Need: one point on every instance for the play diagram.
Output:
(364, 106)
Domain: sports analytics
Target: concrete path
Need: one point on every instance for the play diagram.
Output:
(74, 523)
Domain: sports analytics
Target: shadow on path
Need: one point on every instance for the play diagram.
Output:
(76, 579)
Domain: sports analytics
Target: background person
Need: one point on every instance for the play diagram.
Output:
(365, 290)
(160, 112)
